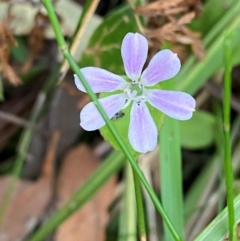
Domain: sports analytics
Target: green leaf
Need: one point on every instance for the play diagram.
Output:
(170, 171)
(104, 46)
(171, 176)
(198, 132)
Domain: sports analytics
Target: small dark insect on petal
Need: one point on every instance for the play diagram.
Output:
(118, 115)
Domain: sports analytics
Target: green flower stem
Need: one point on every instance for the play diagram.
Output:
(226, 130)
(140, 210)
(62, 45)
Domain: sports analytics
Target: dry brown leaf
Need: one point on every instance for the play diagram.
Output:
(182, 54)
(174, 11)
(29, 201)
(6, 41)
(87, 224)
(25, 209)
(10, 74)
(164, 33)
(196, 45)
(20, 186)
(168, 20)
(183, 39)
(190, 33)
(157, 7)
(186, 19)
(195, 5)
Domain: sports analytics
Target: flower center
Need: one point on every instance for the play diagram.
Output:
(137, 89)
(135, 92)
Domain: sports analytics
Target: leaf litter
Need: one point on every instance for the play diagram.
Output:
(167, 22)
(6, 41)
(30, 199)
(90, 221)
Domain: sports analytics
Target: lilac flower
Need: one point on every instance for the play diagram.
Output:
(164, 65)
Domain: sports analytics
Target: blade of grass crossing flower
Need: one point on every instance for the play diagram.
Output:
(226, 129)
(171, 173)
(62, 45)
(128, 231)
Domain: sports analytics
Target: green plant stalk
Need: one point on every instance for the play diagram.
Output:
(219, 138)
(226, 129)
(171, 176)
(140, 209)
(110, 166)
(75, 68)
(171, 172)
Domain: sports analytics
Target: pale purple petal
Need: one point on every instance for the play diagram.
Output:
(91, 119)
(176, 104)
(143, 132)
(164, 65)
(134, 54)
(100, 80)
